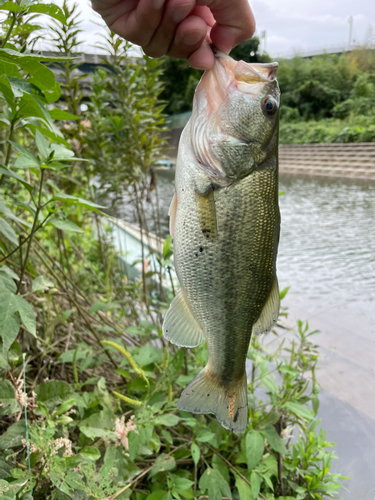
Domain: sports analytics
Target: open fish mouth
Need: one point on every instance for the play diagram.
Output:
(249, 78)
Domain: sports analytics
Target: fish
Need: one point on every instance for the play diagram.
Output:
(225, 224)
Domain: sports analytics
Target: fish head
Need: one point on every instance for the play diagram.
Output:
(234, 126)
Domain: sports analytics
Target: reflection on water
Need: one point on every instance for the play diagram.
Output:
(328, 239)
(327, 245)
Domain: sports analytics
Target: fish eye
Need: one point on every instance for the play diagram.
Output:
(270, 105)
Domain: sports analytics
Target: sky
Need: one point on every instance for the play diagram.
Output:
(292, 26)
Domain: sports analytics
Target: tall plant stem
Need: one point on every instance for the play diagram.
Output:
(3, 42)
(9, 149)
(82, 313)
(140, 218)
(33, 230)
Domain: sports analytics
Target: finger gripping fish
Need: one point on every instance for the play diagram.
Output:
(225, 221)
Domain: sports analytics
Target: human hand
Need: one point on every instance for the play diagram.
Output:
(180, 28)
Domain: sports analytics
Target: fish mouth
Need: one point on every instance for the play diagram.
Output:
(249, 78)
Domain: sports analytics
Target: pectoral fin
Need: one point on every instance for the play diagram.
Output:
(206, 210)
(172, 212)
(180, 327)
(270, 311)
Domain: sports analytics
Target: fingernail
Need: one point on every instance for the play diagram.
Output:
(192, 38)
(158, 4)
(182, 11)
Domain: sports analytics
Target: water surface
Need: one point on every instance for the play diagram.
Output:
(327, 244)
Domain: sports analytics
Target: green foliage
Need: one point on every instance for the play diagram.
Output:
(101, 388)
(328, 98)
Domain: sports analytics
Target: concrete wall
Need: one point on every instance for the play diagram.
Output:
(337, 160)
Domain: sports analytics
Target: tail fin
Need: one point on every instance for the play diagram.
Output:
(227, 403)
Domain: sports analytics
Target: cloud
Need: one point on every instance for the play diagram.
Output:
(308, 25)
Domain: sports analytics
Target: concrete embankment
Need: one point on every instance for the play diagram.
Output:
(356, 159)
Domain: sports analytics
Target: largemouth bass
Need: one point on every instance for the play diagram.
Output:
(225, 223)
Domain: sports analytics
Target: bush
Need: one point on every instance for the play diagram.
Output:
(88, 385)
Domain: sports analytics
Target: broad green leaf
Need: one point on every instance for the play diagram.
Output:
(59, 114)
(98, 424)
(156, 495)
(65, 406)
(65, 225)
(13, 436)
(181, 483)
(42, 144)
(53, 392)
(9, 173)
(271, 418)
(25, 152)
(25, 29)
(147, 354)
(49, 9)
(286, 498)
(256, 482)
(90, 453)
(162, 463)
(168, 419)
(8, 271)
(205, 436)
(284, 292)
(26, 312)
(30, 107)
(7, 283)
(195, 452)
(218, 464)
(31, 63)
(254, 448)
(11, 6)
(298, 410)
(167, 248)
(9, 404)
(20, 86)
(6, 90)
(244, 490)
(9, 320)
(41, 283)
(9, 69)
(267, 480)
(214, 483)
(74, 200)
(7, 231)
(62, 153)
(274, 440)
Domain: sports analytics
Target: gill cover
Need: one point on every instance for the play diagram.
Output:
(227, 145)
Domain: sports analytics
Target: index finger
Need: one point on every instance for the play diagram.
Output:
(234, 22)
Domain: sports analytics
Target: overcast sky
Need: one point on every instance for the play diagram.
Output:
(291, 25)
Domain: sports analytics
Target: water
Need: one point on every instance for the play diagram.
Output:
(327, 244)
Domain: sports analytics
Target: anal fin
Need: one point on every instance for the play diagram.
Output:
(180, 327)
(270, 311)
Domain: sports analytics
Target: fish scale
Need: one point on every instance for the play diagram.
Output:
(226, 229)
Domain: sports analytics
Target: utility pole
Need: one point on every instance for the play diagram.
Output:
(263, 36)
(350, 21)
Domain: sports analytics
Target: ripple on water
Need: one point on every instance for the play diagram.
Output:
(327, 244)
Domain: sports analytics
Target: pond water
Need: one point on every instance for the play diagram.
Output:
(327, 244)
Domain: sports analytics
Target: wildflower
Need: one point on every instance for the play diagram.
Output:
(22, 397)
(122, 430)
(287, 432)
(59, 443)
